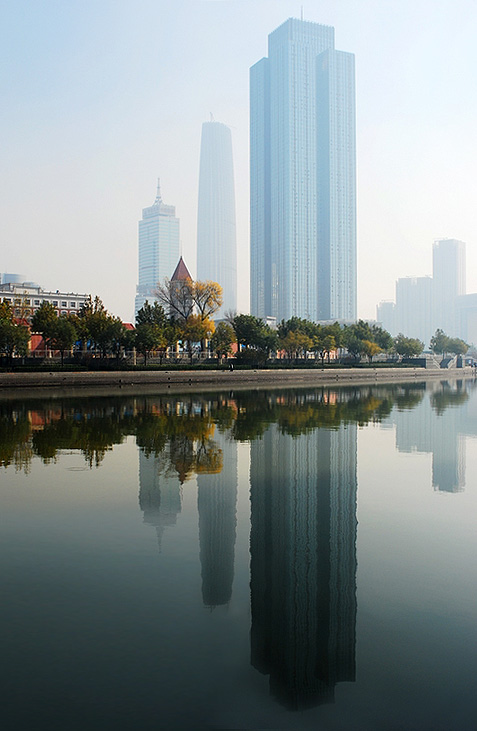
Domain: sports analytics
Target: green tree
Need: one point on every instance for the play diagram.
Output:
(255, 336)
(268, 341)
(297, 325)
(162, 333)
(328, 344)
(358, 336)
(297, 336)
(353, 343)
(111, 336)
(408, 347)
(382, 338)
(248, 330)
(439, 342)
(96, 326)
(222, 339)
(13, 338)
(148, 337)
(44, 322)
(62, 335)
(457, 346)
(361, 330)
(151, 315)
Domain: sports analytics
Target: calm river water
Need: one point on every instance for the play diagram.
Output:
(269, 559)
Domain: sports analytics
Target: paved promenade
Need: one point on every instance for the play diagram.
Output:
(164, 380)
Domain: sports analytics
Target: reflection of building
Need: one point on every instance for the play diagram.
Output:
(303, 176)
(217, 499)
(436, 427)
(159, 245)
(216, 237)
(160, 496)
(303, 562)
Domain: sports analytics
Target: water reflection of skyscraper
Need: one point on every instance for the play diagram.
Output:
(436, 427)
(160, 496)
(303, 562)
(216, 502)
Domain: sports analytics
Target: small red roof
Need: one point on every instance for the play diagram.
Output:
(129, 326)
(181, 271)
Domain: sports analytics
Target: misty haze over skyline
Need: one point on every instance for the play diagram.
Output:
(102, 98)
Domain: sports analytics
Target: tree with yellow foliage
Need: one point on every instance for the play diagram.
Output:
(195, 330)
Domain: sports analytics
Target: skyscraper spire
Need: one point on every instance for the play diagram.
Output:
(158, 194)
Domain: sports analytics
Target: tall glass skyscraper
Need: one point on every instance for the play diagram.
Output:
(216, 235)
(303, 176)
(159, 246)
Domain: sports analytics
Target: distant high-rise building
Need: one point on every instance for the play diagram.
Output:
(303, 176)
(9, 278)
(467, 318)
(424, 304)
(448, 262)
(386, 316)
(413, 308)
(216, 235)
(159, 246)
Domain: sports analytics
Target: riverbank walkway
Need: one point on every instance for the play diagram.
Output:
(259, 378)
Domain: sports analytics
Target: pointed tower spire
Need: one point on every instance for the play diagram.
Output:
(158, 194)
(181, 272)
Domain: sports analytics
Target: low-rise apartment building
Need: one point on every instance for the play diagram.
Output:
(26, 297)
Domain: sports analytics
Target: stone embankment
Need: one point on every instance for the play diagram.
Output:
(164, 380)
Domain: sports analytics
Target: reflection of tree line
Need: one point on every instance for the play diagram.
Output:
(180, 428)
(447, 397)
(94, 427)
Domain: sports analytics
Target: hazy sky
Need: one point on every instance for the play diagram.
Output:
(100, 97)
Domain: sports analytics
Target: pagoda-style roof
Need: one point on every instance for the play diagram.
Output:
(181, 272)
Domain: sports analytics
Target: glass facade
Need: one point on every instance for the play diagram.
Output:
(159, 245)
(216, 231)
(303, 176)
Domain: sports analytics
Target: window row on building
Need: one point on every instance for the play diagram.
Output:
(25, 298)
